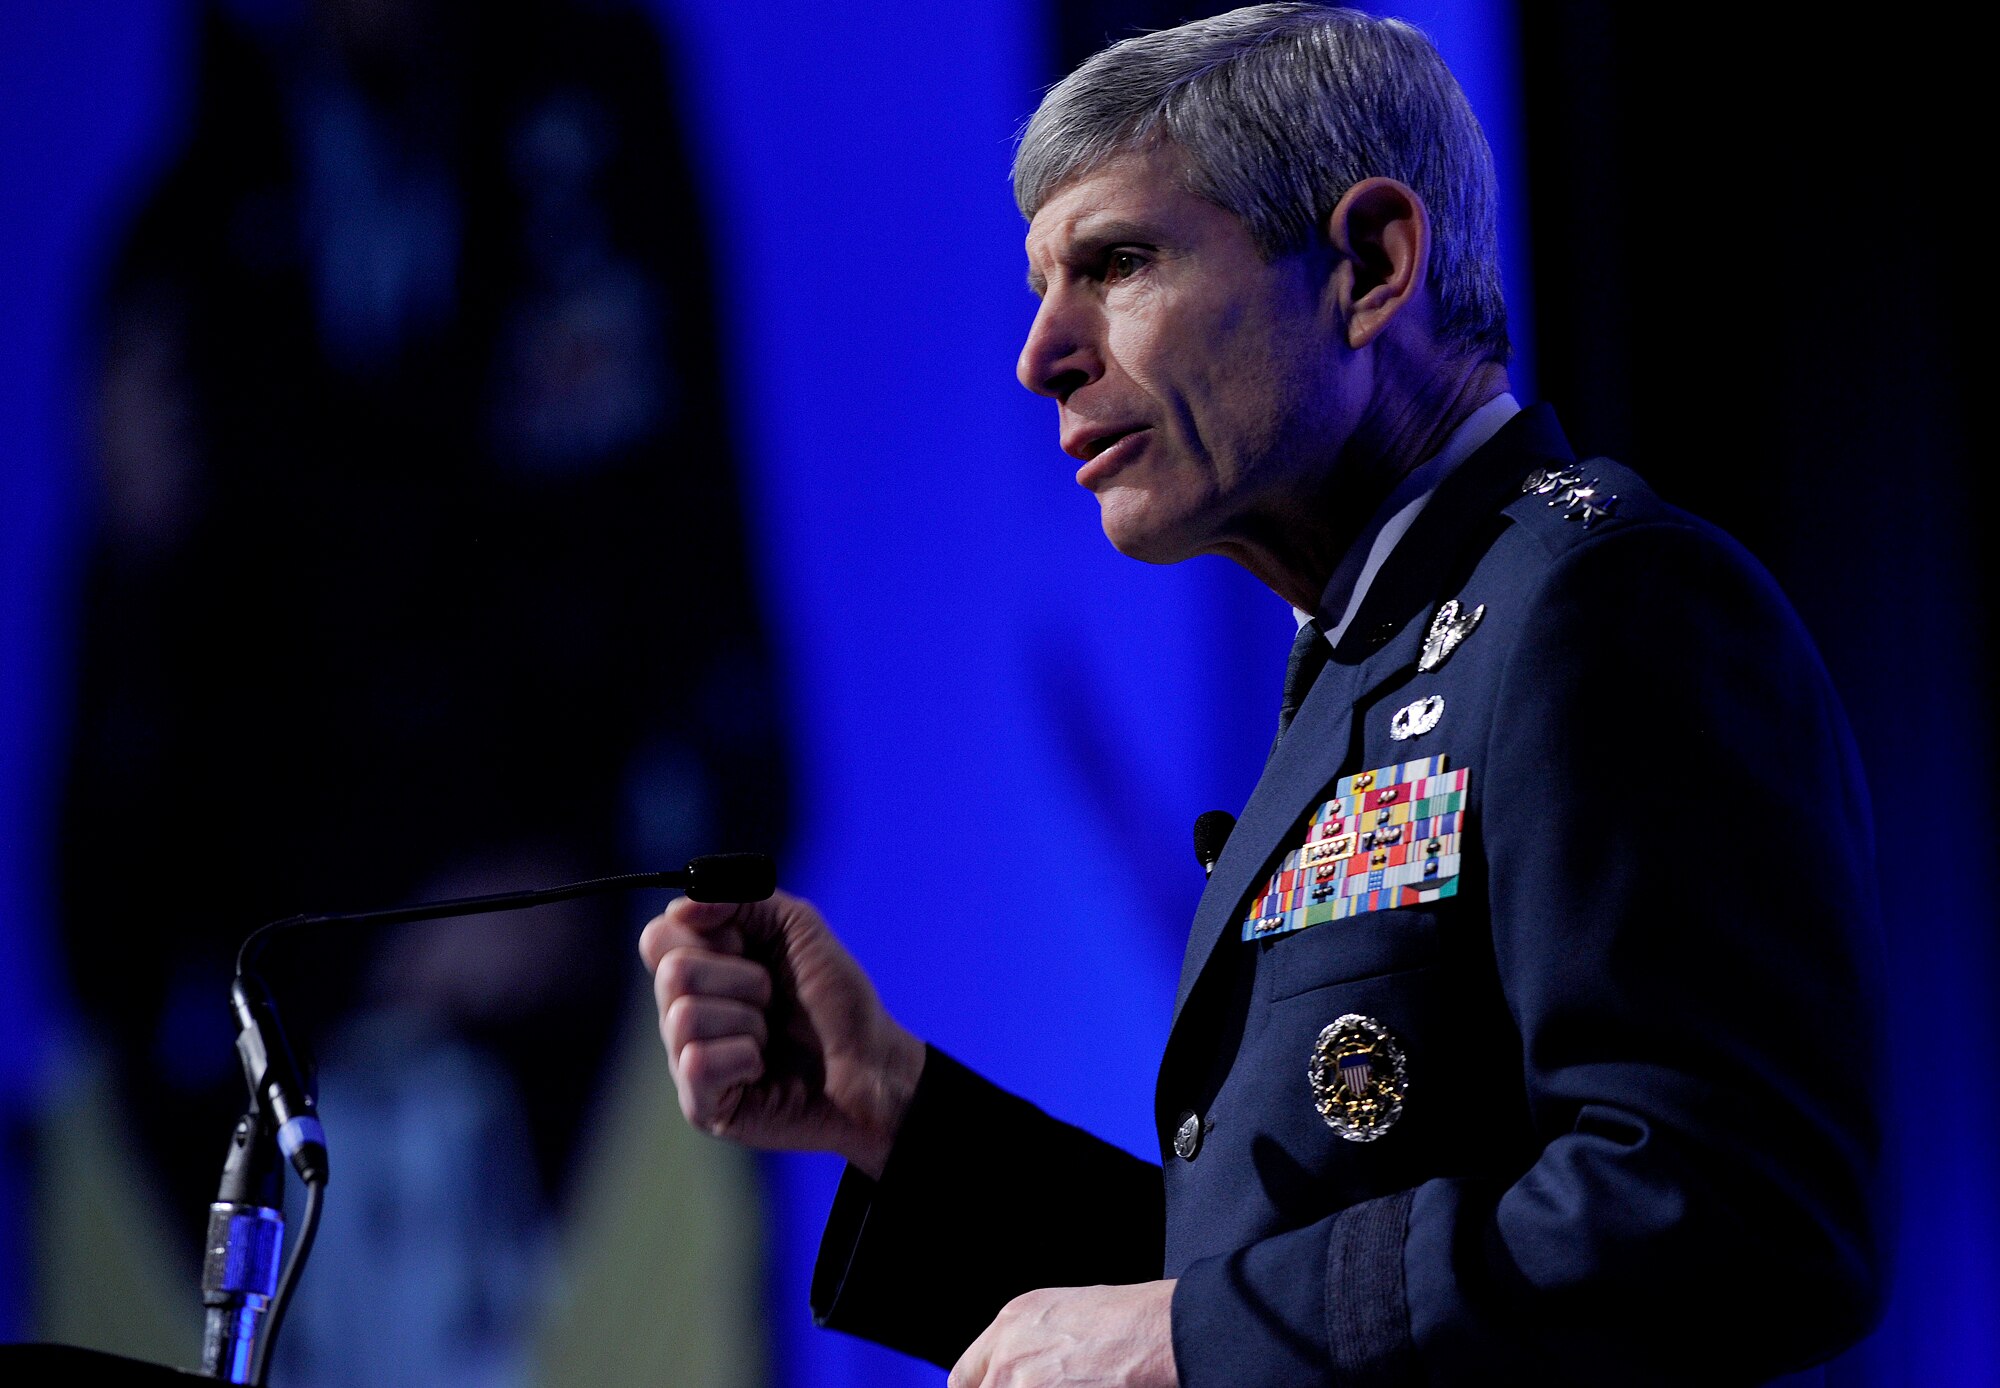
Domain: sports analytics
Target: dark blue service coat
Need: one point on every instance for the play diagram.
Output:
(1640, 1134)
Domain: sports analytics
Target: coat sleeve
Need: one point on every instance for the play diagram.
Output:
(1684, 928)
(984, 1197)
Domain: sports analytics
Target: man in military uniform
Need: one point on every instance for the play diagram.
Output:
(1522, 1035)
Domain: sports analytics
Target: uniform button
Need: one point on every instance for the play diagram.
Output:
(1187, 1136)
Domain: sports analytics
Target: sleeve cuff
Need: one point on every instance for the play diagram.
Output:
(877, 1274)
(983, 1197)
(1288, 1309)
(1367, 1299)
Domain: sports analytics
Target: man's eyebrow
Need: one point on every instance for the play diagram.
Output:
(1091, 238)
(1093, 234)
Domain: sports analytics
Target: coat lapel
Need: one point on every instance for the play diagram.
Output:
(1307, 760)
(1383, 640)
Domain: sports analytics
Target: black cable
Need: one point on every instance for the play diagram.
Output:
(711, 877)
(253, 943)
(288, 1279)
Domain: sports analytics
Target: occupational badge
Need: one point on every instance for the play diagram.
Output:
(1448, 628)
(1389, 837)
(1416, 719)
(1359, 1077)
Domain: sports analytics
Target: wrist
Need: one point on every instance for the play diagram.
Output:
(893, 1086)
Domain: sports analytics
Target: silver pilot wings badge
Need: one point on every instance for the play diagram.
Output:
(1448, 629)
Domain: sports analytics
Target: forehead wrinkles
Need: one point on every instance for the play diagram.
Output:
(1128, 197)
(1052, 240)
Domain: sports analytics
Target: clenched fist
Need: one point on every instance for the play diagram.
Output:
(775, 1036)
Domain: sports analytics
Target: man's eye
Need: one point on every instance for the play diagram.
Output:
(1121, 265)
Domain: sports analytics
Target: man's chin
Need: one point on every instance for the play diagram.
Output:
(1137, 535)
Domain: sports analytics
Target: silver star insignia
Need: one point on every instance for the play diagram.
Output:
(1586, 505)
(1542, 481)
(1448, 628)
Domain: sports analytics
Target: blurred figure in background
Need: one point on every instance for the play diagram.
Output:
(412, 447)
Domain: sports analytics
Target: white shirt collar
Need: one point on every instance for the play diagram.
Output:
(1393, 518)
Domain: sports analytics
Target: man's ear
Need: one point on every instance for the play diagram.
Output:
(1381, 236)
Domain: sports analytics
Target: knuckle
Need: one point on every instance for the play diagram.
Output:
(1028, 1307)
(693, 1069)
(681, 972)
(680, 1019)
(698, 1068)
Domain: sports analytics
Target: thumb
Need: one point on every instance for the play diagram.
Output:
(705, 925)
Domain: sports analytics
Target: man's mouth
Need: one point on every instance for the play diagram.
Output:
(1104, 456)
(1097, 447)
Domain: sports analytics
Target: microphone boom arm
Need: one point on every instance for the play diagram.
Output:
(713, 877)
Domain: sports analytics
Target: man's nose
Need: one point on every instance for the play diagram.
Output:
(1057, 357)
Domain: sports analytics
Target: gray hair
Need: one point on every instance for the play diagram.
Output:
(1279, 110)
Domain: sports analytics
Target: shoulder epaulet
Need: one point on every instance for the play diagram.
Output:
(1566, 502)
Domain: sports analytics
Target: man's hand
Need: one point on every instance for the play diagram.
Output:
(775, 1036)
(1076, 1337)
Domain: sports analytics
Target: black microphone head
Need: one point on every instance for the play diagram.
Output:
(732, 877)
(1211, 831)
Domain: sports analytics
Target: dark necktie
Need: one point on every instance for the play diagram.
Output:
(1310, 653)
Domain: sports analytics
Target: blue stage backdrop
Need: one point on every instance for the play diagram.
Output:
(1004, 729)
(86, 102)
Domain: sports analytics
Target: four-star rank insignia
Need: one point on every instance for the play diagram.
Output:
(1542, 481)
(1564, 486)
(1388, 838)
(1359, 1077)
(1588, 504)
(1448, 628)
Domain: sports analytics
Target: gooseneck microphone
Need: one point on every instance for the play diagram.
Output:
(244, 1288)
(1211, 831)
(713, 877)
